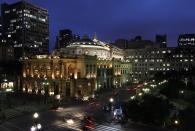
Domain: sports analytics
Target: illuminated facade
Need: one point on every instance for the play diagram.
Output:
(76, 71)
(148, 61)
(94, 47)
(186, 40)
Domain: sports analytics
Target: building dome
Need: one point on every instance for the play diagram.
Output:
(85, 42)
(95, 47)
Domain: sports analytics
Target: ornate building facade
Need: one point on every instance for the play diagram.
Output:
(78, 70)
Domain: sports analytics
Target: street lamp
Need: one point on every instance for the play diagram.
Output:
(35, 115)
(111, 100)
(176, 122)
(46, 90)
(36, 126)
(33, 128)
(39, 126)
(58, 97)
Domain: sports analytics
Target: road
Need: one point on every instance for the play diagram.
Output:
(54, 120)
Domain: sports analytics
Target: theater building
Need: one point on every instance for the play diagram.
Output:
(78, 70)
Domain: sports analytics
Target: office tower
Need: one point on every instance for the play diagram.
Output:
(162, 40)
(25, 27)
(186, 40)
(1, 32)
(121, 43)
(65, 37)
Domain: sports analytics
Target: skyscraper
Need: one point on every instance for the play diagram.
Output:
(65, 37)
(186, 40)
(162, 40)
(1, 32)
(121, 43)
(25, 27)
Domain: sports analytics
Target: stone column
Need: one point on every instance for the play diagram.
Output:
(31, 70)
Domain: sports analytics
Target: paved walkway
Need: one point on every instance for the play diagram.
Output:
(19, 111)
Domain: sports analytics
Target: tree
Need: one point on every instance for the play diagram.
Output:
(172, 88)
(150, 109)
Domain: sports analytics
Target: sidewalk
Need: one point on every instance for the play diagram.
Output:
(20, 111)
(141, 126)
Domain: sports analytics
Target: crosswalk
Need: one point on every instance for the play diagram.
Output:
(7, 126)
(77, 126)
(12, 113)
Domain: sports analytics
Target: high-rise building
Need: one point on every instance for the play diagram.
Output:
(186, 40)
(6, 53)
(0, 27)
(1, 32)
(162, 40)
(25, 27)
(65, 37)
(121, 43)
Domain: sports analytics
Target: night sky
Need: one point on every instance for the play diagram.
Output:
(112, 19)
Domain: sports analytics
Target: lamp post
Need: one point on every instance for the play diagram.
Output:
(35, 117)
(58, 98)
(36, 126)
(46, 90)
(176, 122)
(111, 100)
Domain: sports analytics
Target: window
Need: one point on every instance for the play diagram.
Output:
(7, 11)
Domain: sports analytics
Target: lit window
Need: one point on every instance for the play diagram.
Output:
(12, 21)
(17, 27)
(7, 11)
(9, 36)
(136, 60)
(151, 69)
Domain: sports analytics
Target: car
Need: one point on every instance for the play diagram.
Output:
(69, 119)
(88, 123)
(54, 108)
(131, 89)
